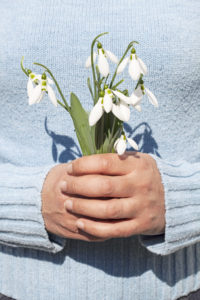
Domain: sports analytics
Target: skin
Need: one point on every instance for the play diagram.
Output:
(105, 196)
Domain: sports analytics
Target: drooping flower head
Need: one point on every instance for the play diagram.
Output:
(136, 65)
(37, 86)
(121, 143)
(102, 62)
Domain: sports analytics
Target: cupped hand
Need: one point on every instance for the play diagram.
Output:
(119, 196)
(57, 220)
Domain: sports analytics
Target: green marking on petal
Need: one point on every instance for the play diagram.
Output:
(44, 82)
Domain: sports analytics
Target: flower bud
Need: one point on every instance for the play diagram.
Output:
(133, 51)
(99, 45)
(44, 76)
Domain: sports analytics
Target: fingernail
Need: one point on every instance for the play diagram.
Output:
(69, 204)
(69, 168)
(63, 185)
(80, 224)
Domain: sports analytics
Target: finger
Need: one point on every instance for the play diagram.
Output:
(108, 163)
(114, 229)
(79, 235)
(119, 208)
(98, 186)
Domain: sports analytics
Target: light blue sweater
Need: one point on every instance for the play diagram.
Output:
(35, 265)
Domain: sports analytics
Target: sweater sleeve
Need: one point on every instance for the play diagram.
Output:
(21, 221)
(182, 204)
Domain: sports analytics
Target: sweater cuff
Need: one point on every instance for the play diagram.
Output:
(181, 182)
(21, 221)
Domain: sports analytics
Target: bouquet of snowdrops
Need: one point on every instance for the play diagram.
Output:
(101, 130)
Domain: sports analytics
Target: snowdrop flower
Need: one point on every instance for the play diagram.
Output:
(136, 66)
(102, 60)
(105, 103)
(43, 86)
(120, 144)
(138, 94)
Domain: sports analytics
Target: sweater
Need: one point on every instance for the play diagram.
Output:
(35, 264)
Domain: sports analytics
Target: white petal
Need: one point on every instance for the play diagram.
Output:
(125, 111)
(121, 146)
(151, 97)
(138, 107)
(117, 112)
(96, 113)
(133, 143)
(107, 103)
(88, 62)
(136, 96)
(41, 96)
(35, 95)
(112, 56)
(122, 96)
(38, 76)
(52, 95)
(134, 69)
(143, 67)
(115, 144)
(103, 64)
(50, 81)
(122, 65)
(29, 87)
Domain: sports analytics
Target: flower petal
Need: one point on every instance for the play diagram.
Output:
(115, 144)
(35, 95)
(152, 98)
(134, 68)
(52, 95)
(122, 65)
(136, 96)
(96, 113)
(117, 112)
(133, 144)
(103, 64)
(50, 81)
(125, 111)
(29, 87)
(121, 146)
(122, 96)
(143, 67)
(112, 56)
(138, 107)
(88, 62)
(107, 103)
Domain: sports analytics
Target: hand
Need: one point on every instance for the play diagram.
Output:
(130, 190)
(57, 219)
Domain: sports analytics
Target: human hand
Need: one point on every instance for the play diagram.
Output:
(57, 220)
(130, 190)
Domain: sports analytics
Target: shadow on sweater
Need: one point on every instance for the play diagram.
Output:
(142, 134)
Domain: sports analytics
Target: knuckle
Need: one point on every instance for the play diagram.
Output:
(113, 210)
(107, 187)
(73, 187)
(104, 164)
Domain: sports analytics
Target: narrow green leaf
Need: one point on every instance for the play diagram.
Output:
(83, 130)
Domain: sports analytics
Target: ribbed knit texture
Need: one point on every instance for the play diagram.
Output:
(37, 265)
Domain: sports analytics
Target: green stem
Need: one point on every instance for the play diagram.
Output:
(56, 83)
(22, 66)
(127, 49)
(92, 63)
(114, 87)
(62, 104)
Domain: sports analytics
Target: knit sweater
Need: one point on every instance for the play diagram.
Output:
(35, 264)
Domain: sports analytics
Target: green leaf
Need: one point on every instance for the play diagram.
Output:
(83, 130)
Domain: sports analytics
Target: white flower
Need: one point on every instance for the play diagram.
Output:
(136, 66)
(138, 94)
(120, 144)
(105, 103)
(102, 60)
(36, 93)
